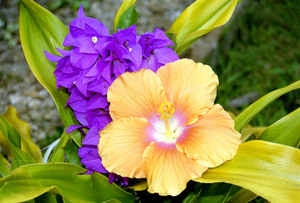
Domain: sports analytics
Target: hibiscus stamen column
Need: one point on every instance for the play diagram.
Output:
(166, 111)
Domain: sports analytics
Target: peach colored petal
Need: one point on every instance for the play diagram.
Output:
(168, 170)
(137, 94)
(212, 140)
(122, 144)
(190, 86)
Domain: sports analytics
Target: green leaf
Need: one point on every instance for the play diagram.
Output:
(190, 198)
(245, 117)
(4, 166)
(72, 154)
(198, 19)
(214, 193)
(270, 170)
(125, 5)
(128, 18)
(112, 201)
(13, 139)
(5, 146)
(249, 131)
(40, 30)
(47, 197)
(284, 131)
(59, 151)
(242, 196)
(23, 128)
(30, 181)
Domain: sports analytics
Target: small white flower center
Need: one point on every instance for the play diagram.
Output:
(94, 39)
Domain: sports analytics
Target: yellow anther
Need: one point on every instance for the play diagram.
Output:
(166, 110)
(94, 39)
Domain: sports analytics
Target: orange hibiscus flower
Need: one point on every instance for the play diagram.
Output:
(166, 127)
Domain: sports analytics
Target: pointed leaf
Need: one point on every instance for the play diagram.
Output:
(242, 196)
(213, 193)
(4, 166)
(246, 116)
(23, 190)
(125, 5)
(30, 181)
(128, 18)
(198, 19)
(284, 131)
(251, 131)
(59, 151)
(270, 170)
(23, 129)
(13, 139)
(40, 30)
(5, 146)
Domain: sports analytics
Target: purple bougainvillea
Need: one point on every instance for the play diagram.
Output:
(95, 60)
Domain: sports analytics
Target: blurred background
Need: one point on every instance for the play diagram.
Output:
(256, 52)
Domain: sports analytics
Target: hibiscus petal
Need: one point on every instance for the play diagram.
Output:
(190, 86)
(212, 140)
(122, 144)
(168, 170)
(141, 94)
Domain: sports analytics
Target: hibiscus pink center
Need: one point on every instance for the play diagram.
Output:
(166, 129)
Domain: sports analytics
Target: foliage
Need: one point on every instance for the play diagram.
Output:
(27, 182)
(44, 26)
(198, 19)
(125, 6)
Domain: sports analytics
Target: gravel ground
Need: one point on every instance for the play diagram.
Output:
(18, 86)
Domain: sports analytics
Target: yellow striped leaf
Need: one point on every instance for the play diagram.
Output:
(270, 170)
(198, 19)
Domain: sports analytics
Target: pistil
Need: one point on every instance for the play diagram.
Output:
(166, 111)
(169, 132)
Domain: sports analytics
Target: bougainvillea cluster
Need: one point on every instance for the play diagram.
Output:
(94, 61)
